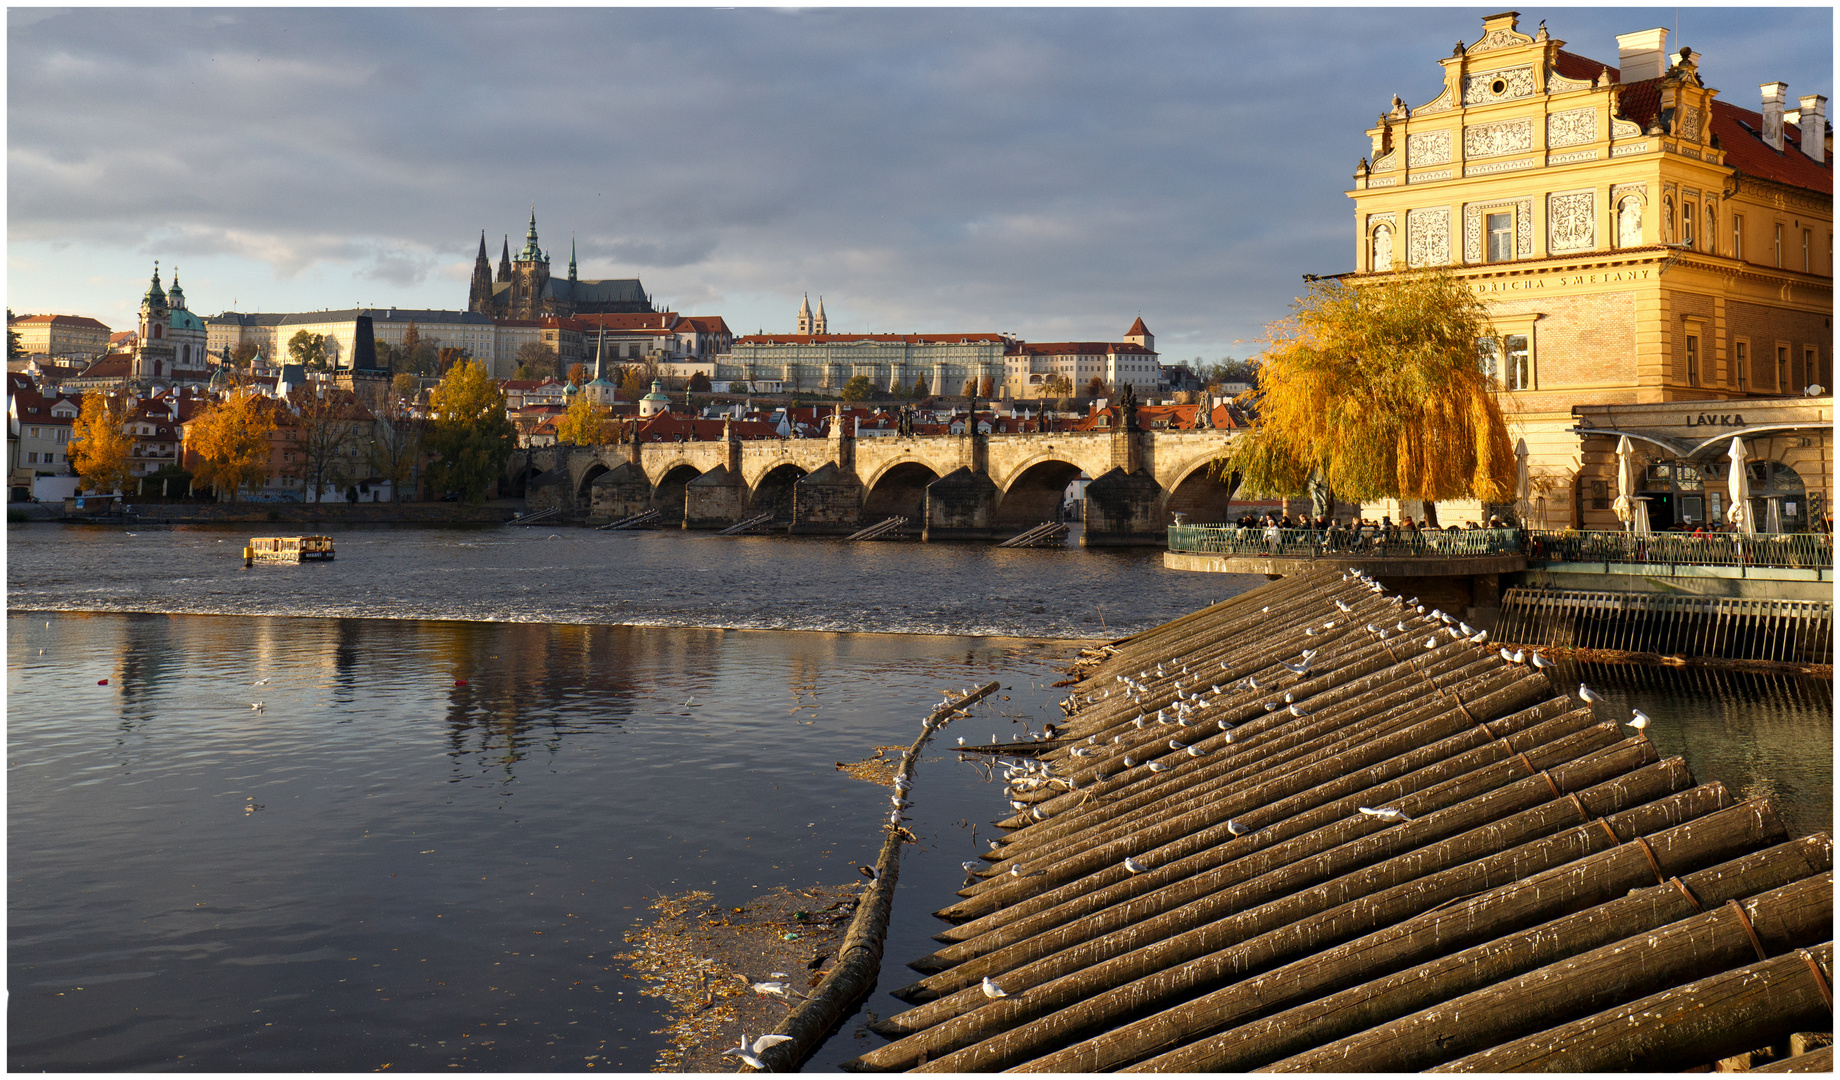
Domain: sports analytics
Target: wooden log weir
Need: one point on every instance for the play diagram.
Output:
(1345, 818)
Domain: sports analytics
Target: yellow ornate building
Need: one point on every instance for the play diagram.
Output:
(1637, 242)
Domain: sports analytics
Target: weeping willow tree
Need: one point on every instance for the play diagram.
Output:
(1374, 390)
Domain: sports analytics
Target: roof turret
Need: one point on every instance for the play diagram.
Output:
(156, 296)
(531, 252)
(175, 296)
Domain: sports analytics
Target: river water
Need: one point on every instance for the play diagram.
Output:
(481, 754)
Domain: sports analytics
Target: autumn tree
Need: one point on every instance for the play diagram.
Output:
(101, 448)
(536, 360)
(244, 355)
(1095, 387)
(859, 388)
(1374, 391)
(308, 349)
(407, 384)
(231, 442)
(14, 350)
(578, 374)
(585, 424)
(988, 387)
(698, 383)
(469, 434)
(633, 385)
(920, 389)
(323, 442)
(395, 445)
(971, 387)
(418, 353)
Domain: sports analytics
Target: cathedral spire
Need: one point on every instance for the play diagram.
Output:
(504, 260)
(571, 257)
(818, 325)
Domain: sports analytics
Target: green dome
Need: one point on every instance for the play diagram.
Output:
(657, 393)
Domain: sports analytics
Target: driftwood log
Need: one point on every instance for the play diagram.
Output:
(859, 958)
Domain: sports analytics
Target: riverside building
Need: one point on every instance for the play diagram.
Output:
(1656, 262)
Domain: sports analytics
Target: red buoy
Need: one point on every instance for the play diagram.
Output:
(102, 682)
(459, 682)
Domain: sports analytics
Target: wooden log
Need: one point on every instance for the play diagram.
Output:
(1790, 916)
(1280, 820)
(1259, 940)
(1347, 841)
(1423, 960)
(1711, 1018)
(1818, 1060)
(990, 895)
(859, 957)
(1082, 982)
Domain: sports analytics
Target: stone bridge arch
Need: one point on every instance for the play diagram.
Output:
(1034, 491)
(1194, 490)
(898, 487)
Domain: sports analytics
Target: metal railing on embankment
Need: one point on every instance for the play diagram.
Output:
(1800, 551)
(1670, 624)
(1340, 543)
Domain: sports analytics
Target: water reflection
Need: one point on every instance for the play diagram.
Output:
(385, 865)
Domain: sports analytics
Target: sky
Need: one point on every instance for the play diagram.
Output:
(1052, 173)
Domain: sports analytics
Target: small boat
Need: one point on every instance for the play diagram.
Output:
(287, 549)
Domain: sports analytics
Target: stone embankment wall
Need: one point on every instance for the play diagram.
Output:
(328, 516)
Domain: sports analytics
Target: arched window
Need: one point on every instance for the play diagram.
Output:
(156, 331)
(1383, 248)
(1629, 222)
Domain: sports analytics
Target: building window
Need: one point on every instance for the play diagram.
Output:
(1687, 213)
(1501, 237)
(1782, 369)
(1807, 251)
(1811, 367)
(1741, 358)
(32, 457)
(1737, 236)
(1629, 222)
(1507, 360)
(1519, 370)
(1488, 356)
(1692, 359)
(1778, 243)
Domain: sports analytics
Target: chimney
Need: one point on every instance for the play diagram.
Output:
(1641, 55)
(1774, 95)
(1813, 125)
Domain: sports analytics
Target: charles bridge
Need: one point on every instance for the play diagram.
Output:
(950, 487)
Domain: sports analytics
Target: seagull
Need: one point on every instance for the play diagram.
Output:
(751, 1054)
(1252, 683)
(778, 988)
(1234, 827)
(1479, 637)
(1640, 721)
(1298, 712)
(992, 990)
(1223, 725)
(961, 740)
(1385, 813)
(1431, 643)
(1130, 762)
(1519, 657)
(1175, 744)
(259, 706)
(1506, 655)
(1157, 766)
(1196, 751)
(259, 682)
(972, 867)
(869, 872)
(1015, 870)
(1289, 697)
(1589, 696)
(1133, 865)
(1271, 706)
(1465, 628)
(1539, 662)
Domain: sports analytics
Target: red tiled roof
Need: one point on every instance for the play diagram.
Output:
(1137, 327)
(1079, 348)
(656, 321)
(827, 339)
(1740, 131)
(59, 320)
(708, 324)
(113, 366)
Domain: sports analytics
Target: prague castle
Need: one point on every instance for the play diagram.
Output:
(524, 289)
(1639, 243)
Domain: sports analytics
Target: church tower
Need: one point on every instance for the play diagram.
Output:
(529, 276)
(571, 256)
(479, 297)
(1139, 334)
(818, 324)
(504, 260)
(153, 351)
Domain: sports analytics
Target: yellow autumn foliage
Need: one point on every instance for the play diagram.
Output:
(100, 448)
(231, 442)
(1376, 388)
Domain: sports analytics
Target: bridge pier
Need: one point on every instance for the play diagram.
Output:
(1122, 511)
(715, 500)
(619, 492)
(961, 505)
(827, 502)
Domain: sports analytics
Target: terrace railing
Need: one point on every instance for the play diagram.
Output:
(1342, 543)
(1800, 551)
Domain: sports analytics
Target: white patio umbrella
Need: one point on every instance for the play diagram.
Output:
(1523, 484)
(1738, 489)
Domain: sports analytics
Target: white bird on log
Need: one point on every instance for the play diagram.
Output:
(1519, 657)
(1130, 762)
(1018, 805)
(1175, 744)
(1015, 870)
(1271, 706)
(751, 1053)
(1196, 751)
(1590, 696)
(1138, 723)
(1466, 628)
(1402, 627)
(1157, 766)
(1384, 813)
(1309, 631)
(1252, 683)
(1506, 655)
(1038, 814)
(1640, 721)
(1289, 697)
(1298, 712)
(972, 866)
(1297, 669)
(1133, 865)
(1236, 828)
(1223, 725)
(1479, 637)
(992, 990)
(1431, 643)
(778, 988)
(1344, 607)
(1539, 662)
